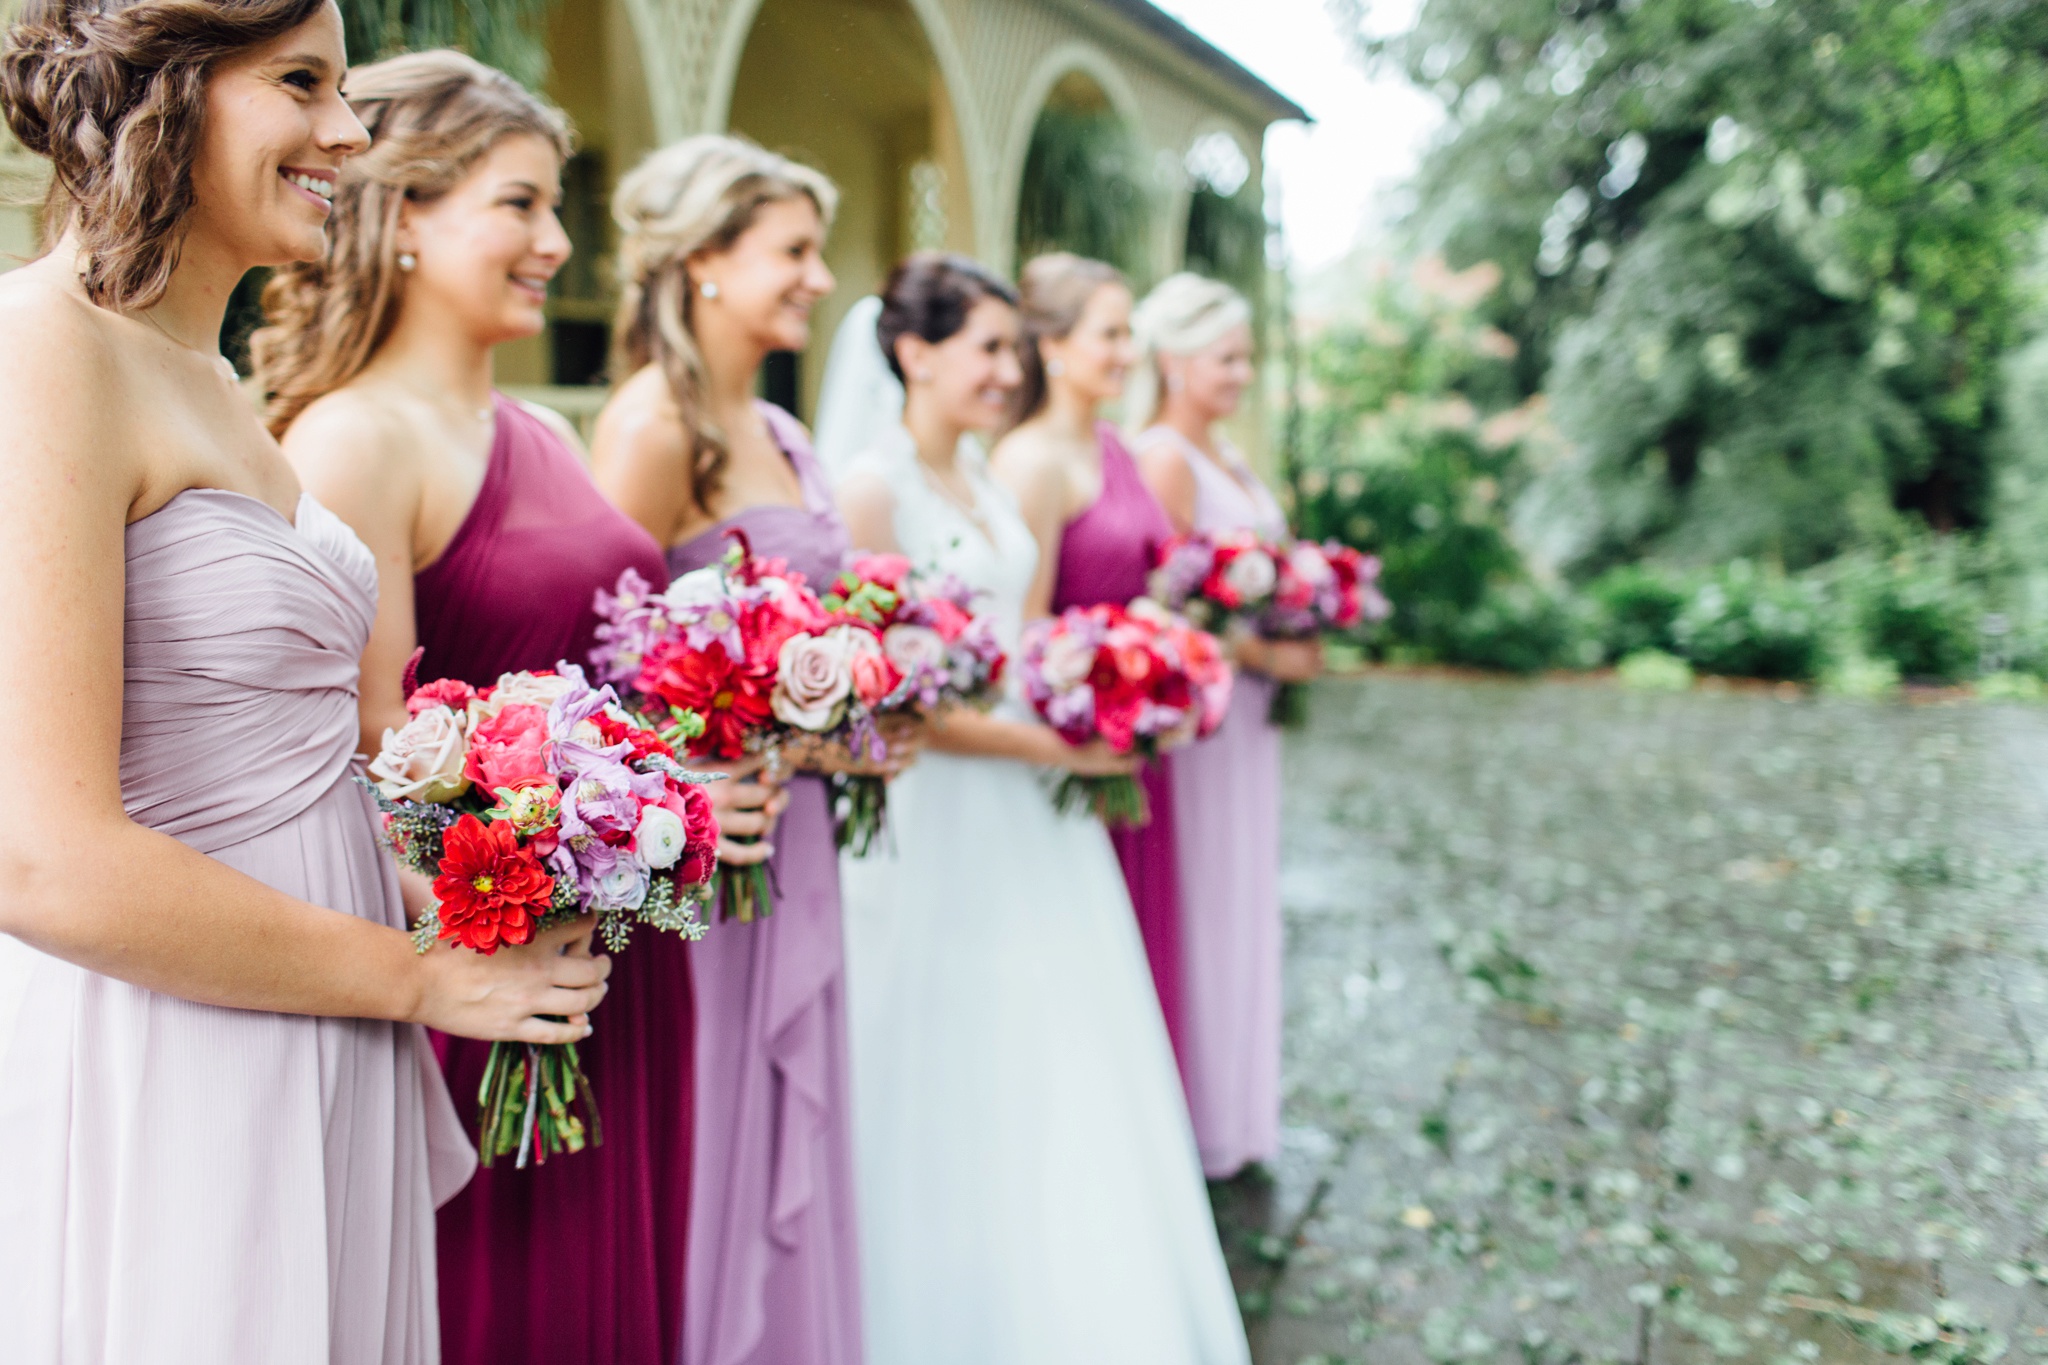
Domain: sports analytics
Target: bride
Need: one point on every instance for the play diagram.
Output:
(1029, 1189)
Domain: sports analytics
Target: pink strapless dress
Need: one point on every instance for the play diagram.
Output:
(774, 1251)
(1106, 555)
(182, 1184)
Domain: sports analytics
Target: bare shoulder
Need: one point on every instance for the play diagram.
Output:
(63, 388)
(356, 449)
(641, 425)
(564, 430)
(1029, 461)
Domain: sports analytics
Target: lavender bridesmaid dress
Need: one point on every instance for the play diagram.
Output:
(1226, 792)
(580, 1261)
(1106, 554)
(191, 1185)
(774, 1269)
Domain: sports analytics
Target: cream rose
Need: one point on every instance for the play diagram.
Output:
(1066, 662)
(518, 689)
(814, 677)
(1253, 575)
(423, 762)
(912, 648)
(660, 839)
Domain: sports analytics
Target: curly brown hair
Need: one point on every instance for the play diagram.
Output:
(113, 92)
(432, 116)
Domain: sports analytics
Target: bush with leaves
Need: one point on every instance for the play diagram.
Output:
(1747, 622)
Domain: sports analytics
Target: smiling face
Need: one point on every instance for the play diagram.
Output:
(970, 377)
(770, 278)
(1094, 359)
(275, 134)
(1212, 380)
(485, 251)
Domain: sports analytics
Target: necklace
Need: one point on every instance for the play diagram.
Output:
(968, 507)
(227, 367)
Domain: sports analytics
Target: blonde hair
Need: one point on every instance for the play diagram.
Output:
(1052, 294)
(432, 116)
(690, 198)
(1185, 314)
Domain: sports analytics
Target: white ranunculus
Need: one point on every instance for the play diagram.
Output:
(423, 761)
(623, 888)
(1253, 575)
(660, 839)
(697, 588)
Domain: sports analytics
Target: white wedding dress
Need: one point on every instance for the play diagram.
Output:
(1029, 1188)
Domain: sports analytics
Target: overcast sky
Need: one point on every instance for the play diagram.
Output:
(1339, 175)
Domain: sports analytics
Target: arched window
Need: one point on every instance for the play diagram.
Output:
(1083, 187)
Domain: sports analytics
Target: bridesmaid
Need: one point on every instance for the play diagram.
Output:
(222, 1131)
(721, 263)
(1195, 338)
(491, 541)
(1078, 487)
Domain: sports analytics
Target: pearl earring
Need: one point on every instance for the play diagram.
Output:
(1055, 368)
(406, 261)
(708, 289)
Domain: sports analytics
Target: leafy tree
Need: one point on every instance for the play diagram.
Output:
(1082, 190)
(1765, 257)
(508, 34)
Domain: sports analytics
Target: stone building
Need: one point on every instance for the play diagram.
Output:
(923, 111)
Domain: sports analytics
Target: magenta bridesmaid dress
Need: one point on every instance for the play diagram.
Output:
(580, 1261)
(1226, 792)
(774, 1266)
(1106, 555)
(192, 1185)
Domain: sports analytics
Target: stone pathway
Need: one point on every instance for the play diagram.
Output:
(1646, 1028)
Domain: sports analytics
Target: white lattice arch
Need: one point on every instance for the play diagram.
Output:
(1055, 66)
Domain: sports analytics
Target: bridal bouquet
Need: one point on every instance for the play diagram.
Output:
(1139, 677)
(1232, 579)
(934, 651)
(530, 803)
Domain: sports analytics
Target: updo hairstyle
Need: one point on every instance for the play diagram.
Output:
(1184, 314)
(690, 198)
(929, 295)
(113, 92)
(1052, 294)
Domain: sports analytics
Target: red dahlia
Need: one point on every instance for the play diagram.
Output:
(491, 890)
(732, 698)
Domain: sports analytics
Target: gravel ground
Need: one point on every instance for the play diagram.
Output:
(1629, 1027)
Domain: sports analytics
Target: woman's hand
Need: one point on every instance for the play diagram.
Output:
(1287, 661)
(747, 802)
(902, 736)
(500, 998)
(1096, 759)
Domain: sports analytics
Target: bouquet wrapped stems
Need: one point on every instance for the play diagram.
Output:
(534, 1101)
(863, 799)
(1289, 708)
(1118, 801)
(745, 891)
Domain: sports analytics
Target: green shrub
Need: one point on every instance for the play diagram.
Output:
(1749, 624)
(1637, 606)
(1652, 670)
(1518, 628)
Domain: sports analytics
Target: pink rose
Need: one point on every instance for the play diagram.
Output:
(887, 570)
(519, 689)
(947, 619)
(508, 750)
(874, 677)
(452, 693)
(424, 761)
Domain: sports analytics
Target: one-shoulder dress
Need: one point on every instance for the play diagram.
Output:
(1106, 554)
(774, 1268)
(580, 1261)
(182, 1184)
(1226, 792)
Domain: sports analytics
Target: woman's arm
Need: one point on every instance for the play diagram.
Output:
(351, 457)
(1036, 478)
(81, 881)
(964, 730)
(1166, 471)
